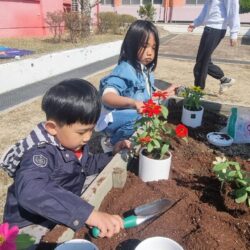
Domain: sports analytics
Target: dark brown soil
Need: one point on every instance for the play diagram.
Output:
(205, 216)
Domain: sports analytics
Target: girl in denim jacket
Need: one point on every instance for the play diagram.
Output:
(130, 83)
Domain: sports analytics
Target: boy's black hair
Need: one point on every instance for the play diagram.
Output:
(137, 35)
(71, 101)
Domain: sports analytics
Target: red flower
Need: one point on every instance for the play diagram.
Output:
(161, 94)
(145, 139)
(150, 108)
(181, 131)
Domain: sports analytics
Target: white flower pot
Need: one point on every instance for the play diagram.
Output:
(192, 118)
(77, 244)
(154, 170)
(159, 243)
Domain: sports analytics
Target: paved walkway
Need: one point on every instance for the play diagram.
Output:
(183, 56)
(182, 28)
(17, 96)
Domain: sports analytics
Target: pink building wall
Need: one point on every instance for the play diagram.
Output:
(185, 13)
(20, 18)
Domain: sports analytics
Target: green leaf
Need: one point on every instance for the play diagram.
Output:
(248, 189)
(220, 166)
(144, 134)
(241, 198)
(164, 111)
(164, 149)
(247, 180)
(232, 173)
(150, 147)
(235, 164)
(239, 174)
(24, 241)
(242, 182)
(156, 122)
(157, 144)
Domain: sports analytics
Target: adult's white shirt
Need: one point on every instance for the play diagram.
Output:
(220, 14)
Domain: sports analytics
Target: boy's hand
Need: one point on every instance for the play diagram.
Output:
(121, 145)
(108, 224)
(191, 27)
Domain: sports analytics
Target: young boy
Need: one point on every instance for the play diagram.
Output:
(51, 164)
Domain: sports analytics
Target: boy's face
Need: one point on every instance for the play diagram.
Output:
(146, 53)
(73, 136)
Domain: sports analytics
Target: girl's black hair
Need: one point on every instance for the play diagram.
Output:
(71, 101)
(137, 35)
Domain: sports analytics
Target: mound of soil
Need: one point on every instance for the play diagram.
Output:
(205, 216)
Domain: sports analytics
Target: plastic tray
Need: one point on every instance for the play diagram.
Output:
(220, 139)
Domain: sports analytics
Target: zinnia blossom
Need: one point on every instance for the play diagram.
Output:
(161, 94)
(150, 108)
(181, 131)
(8, 237)
(145, 139)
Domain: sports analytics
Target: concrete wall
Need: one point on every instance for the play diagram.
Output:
(27, 71)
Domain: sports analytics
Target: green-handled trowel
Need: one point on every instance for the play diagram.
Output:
(142, 214)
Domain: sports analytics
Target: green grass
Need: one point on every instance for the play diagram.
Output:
(47, 45)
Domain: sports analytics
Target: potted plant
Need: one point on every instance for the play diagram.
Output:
(153, 136)
(77, 244)
(239, 179)
(192, 111)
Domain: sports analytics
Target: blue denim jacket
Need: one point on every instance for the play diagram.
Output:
(128, 82)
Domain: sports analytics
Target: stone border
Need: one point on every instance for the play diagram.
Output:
(212, 106)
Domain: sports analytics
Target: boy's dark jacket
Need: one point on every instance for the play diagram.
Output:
(48, 181)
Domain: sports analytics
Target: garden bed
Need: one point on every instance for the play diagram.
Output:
(205, 217)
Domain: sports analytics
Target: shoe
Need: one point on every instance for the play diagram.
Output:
(106, 144)
(225, 83)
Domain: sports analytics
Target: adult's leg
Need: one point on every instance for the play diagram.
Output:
(122, 126)
(209, 41)
(214, 70)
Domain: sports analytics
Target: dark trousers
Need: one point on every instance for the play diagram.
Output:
(209, 41)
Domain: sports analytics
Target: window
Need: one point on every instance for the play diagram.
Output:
(74, 6)
(107, 2)
(135, 1)
(195, 2)
(138, 2)
(130, 2)
(157, 1)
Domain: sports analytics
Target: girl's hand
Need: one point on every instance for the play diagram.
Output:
(138, 106)
(121, 145)
(107, 224)
(172, 88)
